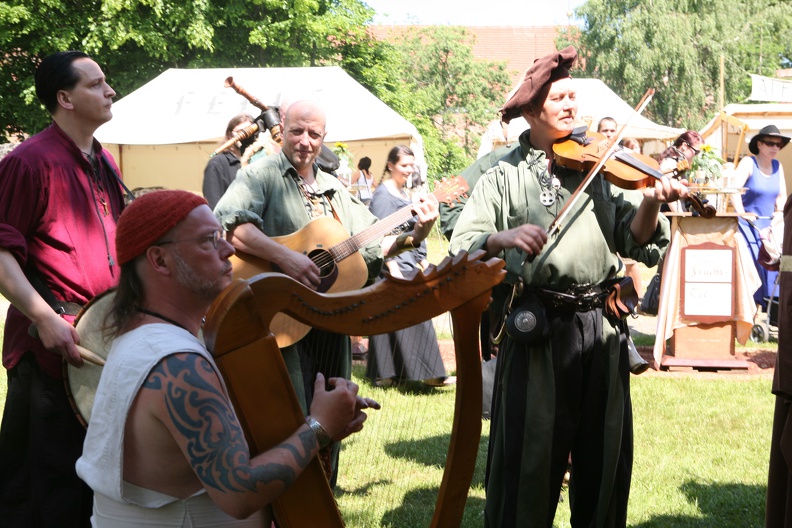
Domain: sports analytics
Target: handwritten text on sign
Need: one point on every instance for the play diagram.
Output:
(708, 282)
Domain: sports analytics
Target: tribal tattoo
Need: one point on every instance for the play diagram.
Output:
(216, 446)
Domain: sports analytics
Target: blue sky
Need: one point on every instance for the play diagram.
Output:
(474, 13)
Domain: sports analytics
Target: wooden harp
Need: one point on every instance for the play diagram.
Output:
(237, 333)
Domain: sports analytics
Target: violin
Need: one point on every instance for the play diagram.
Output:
(624, 168)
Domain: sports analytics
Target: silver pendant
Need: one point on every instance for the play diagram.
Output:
(555, 183)
(547, 198)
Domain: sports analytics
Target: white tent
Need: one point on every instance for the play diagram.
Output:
(163, 133)
(595, 101)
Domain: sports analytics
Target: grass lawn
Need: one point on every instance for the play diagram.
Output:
(702, 448)
(701, 457)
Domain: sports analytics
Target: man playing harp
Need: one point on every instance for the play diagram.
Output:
(164, 443)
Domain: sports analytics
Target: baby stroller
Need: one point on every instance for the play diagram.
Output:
(763, 330)
(769, 257)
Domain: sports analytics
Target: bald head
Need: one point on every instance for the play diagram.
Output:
(305, 109)
(303, 133)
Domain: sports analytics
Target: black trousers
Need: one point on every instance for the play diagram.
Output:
(566, 394)
(40, 440)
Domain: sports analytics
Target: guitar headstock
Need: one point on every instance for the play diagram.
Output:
(449, 190)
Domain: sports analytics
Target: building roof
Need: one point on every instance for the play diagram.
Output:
(519, 47)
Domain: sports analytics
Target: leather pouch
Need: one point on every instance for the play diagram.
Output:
(527, 323)
(622, 298)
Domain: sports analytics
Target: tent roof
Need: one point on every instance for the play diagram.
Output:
(596, 100)
(192, 105)
(756, 116)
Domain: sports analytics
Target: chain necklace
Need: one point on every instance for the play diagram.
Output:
(312, 199)
(152, 313)
(549, 184)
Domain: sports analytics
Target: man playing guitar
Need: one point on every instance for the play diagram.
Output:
(279, 195)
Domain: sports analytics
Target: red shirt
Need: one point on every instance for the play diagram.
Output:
(53, 219)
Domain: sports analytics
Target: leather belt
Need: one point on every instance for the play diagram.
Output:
(582, 298)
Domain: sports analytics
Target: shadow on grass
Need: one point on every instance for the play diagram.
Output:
(729, 505)
(418, 505)
(432, 452)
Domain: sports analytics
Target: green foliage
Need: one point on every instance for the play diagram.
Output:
(708, 163)
(448, 94)
(675, 46)
(135, 40)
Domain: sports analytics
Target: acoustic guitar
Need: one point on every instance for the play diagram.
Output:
(328, 244)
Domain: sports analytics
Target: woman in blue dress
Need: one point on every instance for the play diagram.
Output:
(763, 177)
(412, 353)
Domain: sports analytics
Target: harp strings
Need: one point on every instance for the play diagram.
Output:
(390, 473)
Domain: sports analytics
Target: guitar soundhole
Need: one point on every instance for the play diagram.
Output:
(328, 271)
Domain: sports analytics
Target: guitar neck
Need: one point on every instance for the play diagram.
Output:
(445, 191)
(376, 231)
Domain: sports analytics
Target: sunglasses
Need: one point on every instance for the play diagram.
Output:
(776, 144)
(695, 150)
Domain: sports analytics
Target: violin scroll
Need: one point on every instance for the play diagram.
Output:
(704, 209)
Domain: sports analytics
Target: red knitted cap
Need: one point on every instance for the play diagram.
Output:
(150, 216)
(545, 70)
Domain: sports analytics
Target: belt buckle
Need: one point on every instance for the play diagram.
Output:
(583, 296)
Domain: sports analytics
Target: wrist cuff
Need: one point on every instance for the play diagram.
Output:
(407, 241)
(321, 435)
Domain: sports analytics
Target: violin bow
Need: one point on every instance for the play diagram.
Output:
(555, 225)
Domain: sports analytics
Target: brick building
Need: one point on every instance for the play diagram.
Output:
(517, 46)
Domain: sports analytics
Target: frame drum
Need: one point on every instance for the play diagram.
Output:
(81, 383)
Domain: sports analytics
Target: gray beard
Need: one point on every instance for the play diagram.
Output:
(207, 289)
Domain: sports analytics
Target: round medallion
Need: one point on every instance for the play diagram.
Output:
(547, 198)
(525, 321)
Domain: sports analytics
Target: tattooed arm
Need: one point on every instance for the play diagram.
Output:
(184, 395)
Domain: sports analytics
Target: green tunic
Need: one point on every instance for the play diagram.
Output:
(265, 194)
(449, 213)
(570, 391)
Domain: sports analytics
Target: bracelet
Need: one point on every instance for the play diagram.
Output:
(321, 435)
(404, 240)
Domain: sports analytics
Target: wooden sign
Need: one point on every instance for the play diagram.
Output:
(707, 283)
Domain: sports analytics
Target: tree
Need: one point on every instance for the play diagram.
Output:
(675, 46)
(447, 93)
(135, 40)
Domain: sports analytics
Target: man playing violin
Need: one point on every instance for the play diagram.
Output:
(563, 376)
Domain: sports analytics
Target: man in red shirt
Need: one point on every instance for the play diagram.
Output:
(59, 202)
